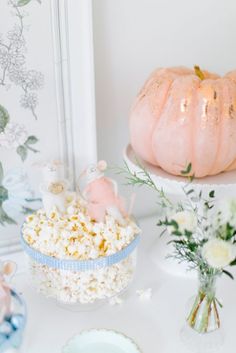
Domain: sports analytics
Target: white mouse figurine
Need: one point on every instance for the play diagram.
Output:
(101, 194)
(53, 188)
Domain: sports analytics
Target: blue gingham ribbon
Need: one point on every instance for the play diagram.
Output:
(80, 265)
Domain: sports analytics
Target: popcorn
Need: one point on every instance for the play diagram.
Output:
(144, 294)
(83, 286)
(74, 235)
(71, 210)
(115, 301)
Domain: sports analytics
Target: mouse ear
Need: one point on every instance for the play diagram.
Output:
(9, 268)
(102, 165)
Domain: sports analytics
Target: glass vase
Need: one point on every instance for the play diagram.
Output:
(204, 315)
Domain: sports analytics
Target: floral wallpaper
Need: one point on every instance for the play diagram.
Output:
(16, 196)
(13, 49)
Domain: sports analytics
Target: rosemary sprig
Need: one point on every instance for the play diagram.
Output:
(142, 177)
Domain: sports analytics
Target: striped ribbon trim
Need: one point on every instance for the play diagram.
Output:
(80, 265)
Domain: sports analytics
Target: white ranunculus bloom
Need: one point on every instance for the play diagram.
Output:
(218, 253)
(186, 220)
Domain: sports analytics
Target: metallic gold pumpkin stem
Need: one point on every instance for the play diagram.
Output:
(199, 72)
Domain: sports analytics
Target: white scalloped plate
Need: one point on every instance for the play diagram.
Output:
(224, 183)
(100, 341)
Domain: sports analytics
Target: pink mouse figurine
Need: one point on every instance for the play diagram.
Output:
(7, 269)
(101, 194)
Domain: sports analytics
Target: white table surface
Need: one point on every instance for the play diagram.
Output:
(155, 324)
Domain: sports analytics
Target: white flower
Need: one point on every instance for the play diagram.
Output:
(34, 80)
(218, 253)
(29, 100)
(186, 220)
(18, 76)
(13, 136)
(15, 37)
(31, 79)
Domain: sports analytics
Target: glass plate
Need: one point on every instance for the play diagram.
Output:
(101, 341)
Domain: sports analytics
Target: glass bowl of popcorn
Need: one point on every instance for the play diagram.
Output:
(79, 262)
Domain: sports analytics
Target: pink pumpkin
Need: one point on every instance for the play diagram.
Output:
(184, 116)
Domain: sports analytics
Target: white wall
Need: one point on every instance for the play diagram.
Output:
(133, 37)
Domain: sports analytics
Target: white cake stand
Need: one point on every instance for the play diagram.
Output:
(224, 185)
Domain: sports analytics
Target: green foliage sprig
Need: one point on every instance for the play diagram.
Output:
(141, 178)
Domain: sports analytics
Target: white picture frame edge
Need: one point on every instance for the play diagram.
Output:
(75, 82)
